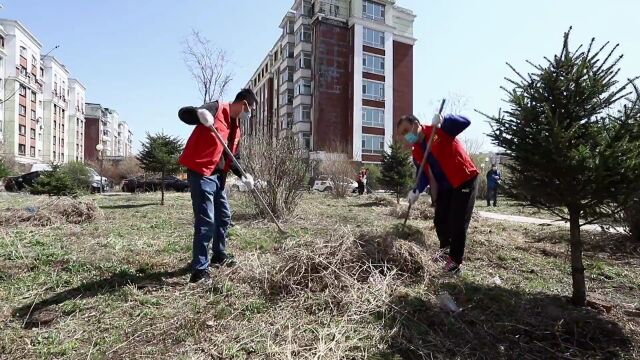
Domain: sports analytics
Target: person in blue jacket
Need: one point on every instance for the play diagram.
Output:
(493, 180)
(452, 177)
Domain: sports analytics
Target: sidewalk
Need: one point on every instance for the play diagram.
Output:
(536, 221)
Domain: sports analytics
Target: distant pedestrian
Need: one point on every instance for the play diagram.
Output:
(208, 166)
(452, 177)
(493, 181)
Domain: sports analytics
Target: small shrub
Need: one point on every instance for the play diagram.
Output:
(66, 180)
(282, 166)
(339, 169)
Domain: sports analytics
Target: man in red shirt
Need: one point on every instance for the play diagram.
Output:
(452, 177)
(208, 165)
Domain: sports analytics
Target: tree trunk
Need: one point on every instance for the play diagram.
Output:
(398, 196)
(577, 268)
(162, 188)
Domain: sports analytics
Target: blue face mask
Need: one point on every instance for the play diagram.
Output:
(411, 138)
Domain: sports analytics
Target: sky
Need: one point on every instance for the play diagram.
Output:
(128, 53)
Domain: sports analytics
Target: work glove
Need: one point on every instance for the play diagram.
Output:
(205, 117)
(437, 120)
(247, 180)
(413, 196)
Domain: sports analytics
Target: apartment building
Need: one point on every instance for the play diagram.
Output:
(75, 147)
(103, 126)
(56, 97)
(339, 75)
(23, 81)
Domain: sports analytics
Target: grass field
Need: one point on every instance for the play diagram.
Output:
(340, 286)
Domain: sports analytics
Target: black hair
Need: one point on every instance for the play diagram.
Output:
(411, 119)
(247, 95)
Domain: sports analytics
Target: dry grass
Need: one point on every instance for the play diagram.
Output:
(348, 283)
(51, 211)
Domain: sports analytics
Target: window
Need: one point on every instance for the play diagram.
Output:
(33, 96)
(22, 149)
(55, 123)
(33, 114)
(23, 51)
(32, 151)
(287, 74)
(372, 10)
(33, 61)
(61, 143)
(286, 97)
(289, 27)
(22, 130)
(303, 61)
(373, 117)
(23, 110)
(54, 154)
(287, 51)
(307, 9)
(62, 128)
(372, 90)
(41, 72)
(54, 140)
(373, 64)
(303, 87)
(306, 113)
(306, 140)
(373, 38)
(372, 144)
(304, 34)
(33, 133)
(1, 41)
(23, 90)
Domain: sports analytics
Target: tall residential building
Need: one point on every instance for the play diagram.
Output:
(22, 126)
(103, 126)
(124, 141)
(338, 76)
(56, 96)
(75, 147)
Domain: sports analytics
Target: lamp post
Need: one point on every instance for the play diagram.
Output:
(99, 148)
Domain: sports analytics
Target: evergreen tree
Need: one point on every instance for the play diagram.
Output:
(397, 171)
(159, 154)
(572, 135)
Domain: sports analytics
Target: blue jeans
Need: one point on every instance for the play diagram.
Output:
(212, 218)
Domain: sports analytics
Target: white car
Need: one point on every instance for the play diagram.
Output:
(238, 185)
(97, 180)
(323, 185)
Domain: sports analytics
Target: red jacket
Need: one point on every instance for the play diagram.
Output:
(450, 163)
(203, 151)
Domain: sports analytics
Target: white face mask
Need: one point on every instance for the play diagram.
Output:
(245, 115)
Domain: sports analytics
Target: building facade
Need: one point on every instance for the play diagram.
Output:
(56, 97)
(338, 76)
(77, 95)
(103, 126)
(23, 81)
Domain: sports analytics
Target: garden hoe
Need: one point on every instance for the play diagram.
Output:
(423, 163)
(255, 191)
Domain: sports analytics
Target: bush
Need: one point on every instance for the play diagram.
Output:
(283, 166)
(118, 170)
(339, 169)
(66, 180)
(373, 177)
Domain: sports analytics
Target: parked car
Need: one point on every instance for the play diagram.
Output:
(238, 185)
(21, 182)
(97, 181)
(150, 184)
(325, 184)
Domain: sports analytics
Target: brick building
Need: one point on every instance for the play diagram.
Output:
(338, 76)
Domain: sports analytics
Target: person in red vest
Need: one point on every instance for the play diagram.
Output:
(207, 167)
(452, 177)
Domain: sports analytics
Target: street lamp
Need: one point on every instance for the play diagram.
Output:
(99, 148)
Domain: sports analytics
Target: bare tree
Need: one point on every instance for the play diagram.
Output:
(340, 170)
(208, 66)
